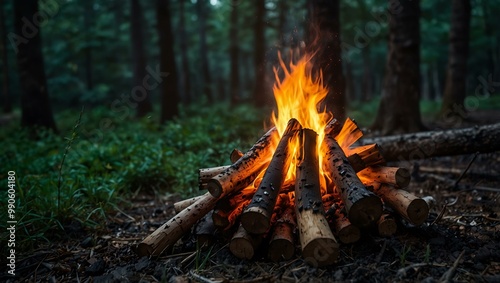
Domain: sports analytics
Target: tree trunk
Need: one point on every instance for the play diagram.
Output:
(35, 104)
(7, 105)
(233, 53)
(324, 42)
(87, 25)
(168, 74)
(186, 85)
(205, 68)
(452, 109)
(260, 94)
(138, 56)
(436, 85)
(399, 109)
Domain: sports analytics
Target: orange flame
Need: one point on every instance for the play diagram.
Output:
(299, 96)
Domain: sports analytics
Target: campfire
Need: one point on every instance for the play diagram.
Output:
(303, 183)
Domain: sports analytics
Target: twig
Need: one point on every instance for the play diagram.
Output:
(466, 169)
(202, 278)
(381, 253)
(441, 214)
(448, 275)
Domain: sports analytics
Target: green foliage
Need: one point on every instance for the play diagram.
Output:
(100, 175)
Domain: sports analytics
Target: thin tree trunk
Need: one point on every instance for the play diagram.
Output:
(425, 82)
(168, 73)
(452, 109)
(233, 53)
(436, 83)
(87, 24)
(324, 42)
(260, 94)
(139, 57)
(35, 104)
(399, 109)
(205, 68)
(186, 85)
(7, 105)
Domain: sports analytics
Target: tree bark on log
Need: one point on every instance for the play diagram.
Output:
(363, 207)
(395, 176)
(205, 174)
(243, 245)
(344, 230)
(169, 233)
(181, 205)
(319, 246)
(244, 171)
(412, 208)
(439, 143)
(256, 218)
(282, 243)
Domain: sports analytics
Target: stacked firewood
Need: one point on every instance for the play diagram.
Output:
(339, 191)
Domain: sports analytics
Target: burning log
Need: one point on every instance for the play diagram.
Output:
(220, 218)
(319, 246)
(412, 208)
(282, 244)
(235, 155)
(345, 231)
(243, 244)
(206, 174)
(205, 230)
(364, 156)
(229, 208)
(245, 169)
(386, 225)
(362, 206)
(181, 205)
(395, 176)
(256, 218)
(439, 143)
(169, 233)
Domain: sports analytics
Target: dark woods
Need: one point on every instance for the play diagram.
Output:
(134, 55)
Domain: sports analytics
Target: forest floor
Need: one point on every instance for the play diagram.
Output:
(461, 245)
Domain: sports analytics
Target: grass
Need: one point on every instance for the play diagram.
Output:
(104, 167)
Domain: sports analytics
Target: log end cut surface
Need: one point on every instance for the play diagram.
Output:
(255, 220)
(365, 211)
(349, 234)
(280, 249)
(242, 248)
(321, 252)
(418, 211)
(214, 188)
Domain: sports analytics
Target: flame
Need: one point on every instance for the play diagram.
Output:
(298, 95)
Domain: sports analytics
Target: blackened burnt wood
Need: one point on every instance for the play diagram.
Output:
(319, 246)
(396, 176)
(206, 174)
(244, 170)
(412, 208)
(205, 230)
(333, 128)
(363, 207)
(256, 218)
(169, 233)
(439, 143)
(282, 243)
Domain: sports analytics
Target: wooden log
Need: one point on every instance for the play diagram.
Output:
(356, 162)
(362, 206)
(181, 205)
(387, 225)
(333, 128)
(235, 155)
(256, 218)
(244, 170)
(349, 134)
(206, 174)
(369, 154)
(395, 176)
(205, 230)
(319, 246)
(412, 208)
(220, 218)
(169, 233)
(344, 230)
(282, 243)
(422, 145)
(243, 245)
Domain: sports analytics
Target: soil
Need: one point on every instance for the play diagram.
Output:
(459, 242)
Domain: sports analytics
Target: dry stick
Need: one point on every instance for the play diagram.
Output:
(243, 244)
(412, 208)
(282, 244)
(465, 171)
(206, 174)
(387, 225)
(243, 172)
(363, 207)
(181, 205)
(169, 233)
(205, 230)
(235, 155)
(391, 175)
(439, 143)
(345, 231)
(319, 246)
(256, 218)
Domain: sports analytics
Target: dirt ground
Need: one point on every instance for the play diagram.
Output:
(459, 242)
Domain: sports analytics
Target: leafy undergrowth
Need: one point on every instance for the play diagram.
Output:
(108, 159)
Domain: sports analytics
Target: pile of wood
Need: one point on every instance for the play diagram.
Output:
(253, 198)
(253, 201)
